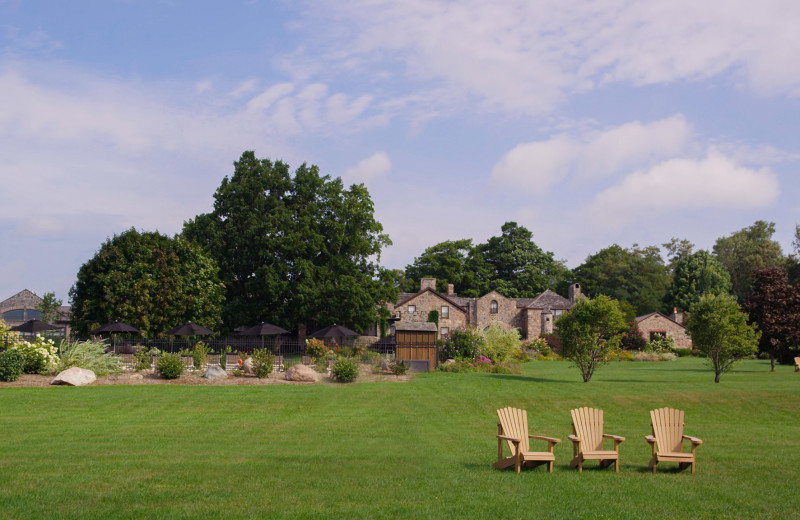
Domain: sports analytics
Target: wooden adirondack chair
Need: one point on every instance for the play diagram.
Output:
(667, 439)
(513, 428)
(797, 364)
(587, 439)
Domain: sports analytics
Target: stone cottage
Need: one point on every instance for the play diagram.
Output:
(21, 307)
(657, 324)
(532, 316)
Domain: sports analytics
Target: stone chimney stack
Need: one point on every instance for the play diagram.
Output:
(427, 283)
(451, 290)
(574, 293)
(677, 317)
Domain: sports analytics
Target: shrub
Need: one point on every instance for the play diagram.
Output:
(621, 355)
(38, 357)
(141, 358)
(501, 344)
(462, 343)
(398, 368)
(315, 348)
(344, 370)
(10, 365)
(200, 355)
(170, 366)
(660, 343)
(90, 355)
(654, 356)
(262, 362)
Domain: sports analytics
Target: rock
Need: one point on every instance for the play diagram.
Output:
(449, 362)
(247, 366)
(74, 376)
(215, 372)
(302, 373)
(385, 365)
(137, 376)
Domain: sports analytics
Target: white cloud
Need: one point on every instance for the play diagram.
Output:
(539, 165)
(528, 55)
(374, 166)
(678, 185)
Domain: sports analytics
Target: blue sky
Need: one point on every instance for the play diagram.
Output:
(590, 123)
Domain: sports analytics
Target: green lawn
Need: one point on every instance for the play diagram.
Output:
(398, 450)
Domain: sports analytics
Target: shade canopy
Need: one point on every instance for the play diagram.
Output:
(34, 326)
(334, 331)
(264, 329)
(189, 329)
(116, 326)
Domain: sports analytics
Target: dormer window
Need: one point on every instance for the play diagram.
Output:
(493, 307)
(412, 309)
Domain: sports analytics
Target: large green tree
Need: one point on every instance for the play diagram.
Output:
(720, 330)
(298, 250)
(148, 280)
(590, 332)
(774, 307)
(745, 250)
(636, 276)
(512, 264)
(444, 261)
(49, 307)
(696, 274)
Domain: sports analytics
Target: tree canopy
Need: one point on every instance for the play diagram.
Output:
(637, 276)
(696, 274)
(444, 261)
(296, 250)
(148, 280)
(774, 306)
(49, 307)
(720, 330)
(745, 250)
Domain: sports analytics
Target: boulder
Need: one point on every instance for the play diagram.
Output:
(215, 372)
(302, 373)
(385, 365)
(449, 362)
(247, 366)
(74, 376)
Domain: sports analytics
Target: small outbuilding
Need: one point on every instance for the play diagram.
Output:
(416, 343)
(657, 324)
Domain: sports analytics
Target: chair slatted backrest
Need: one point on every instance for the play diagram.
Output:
(587, 424)
(667, 429)
(515, 424)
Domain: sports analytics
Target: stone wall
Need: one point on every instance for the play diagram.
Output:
(426, 302)
(508, 315)
(659, 323)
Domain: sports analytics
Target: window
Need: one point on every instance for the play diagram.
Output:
(445, 311)
(33, 315)
(557, 313)
(412, 309)
(445, 331)
(493, 307)
(15, 315)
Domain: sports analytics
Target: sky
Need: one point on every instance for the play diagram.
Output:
(588, 122)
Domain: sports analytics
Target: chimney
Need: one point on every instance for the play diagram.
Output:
(450, 290)
(427, 283)
(574, 293)
(677, 317)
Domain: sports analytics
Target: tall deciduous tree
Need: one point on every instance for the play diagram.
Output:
(720, 330)
(443, 261)
(49, 307)
(296, 250)
(637, 276)
(774, 306)
(513, 265)
(590, 332)
(148, 280)
(696, 274)
(745, 250)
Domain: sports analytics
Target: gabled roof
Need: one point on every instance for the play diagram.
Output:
(435, 293)
(546, 300)
(415, 326)
(640, 319)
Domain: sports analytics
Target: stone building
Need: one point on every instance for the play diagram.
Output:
(21, 307)
(532, 316)
(657, 324)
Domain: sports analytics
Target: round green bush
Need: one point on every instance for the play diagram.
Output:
(170, 366)
(10, 365)
(344, 370)
(262, 362)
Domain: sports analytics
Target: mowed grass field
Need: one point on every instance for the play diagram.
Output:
(422, 449)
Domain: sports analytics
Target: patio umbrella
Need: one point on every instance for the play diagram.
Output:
(189, 329)
(264, 329)
(335, 331)
(34, 326)
(116, 326)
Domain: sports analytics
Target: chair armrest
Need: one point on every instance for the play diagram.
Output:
(616, 438)
(574, 438)
(650, 439)
(693, 440)
(506, 438)
(543, 438)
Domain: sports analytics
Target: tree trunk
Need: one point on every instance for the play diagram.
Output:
(772, 361)
(716, 377)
